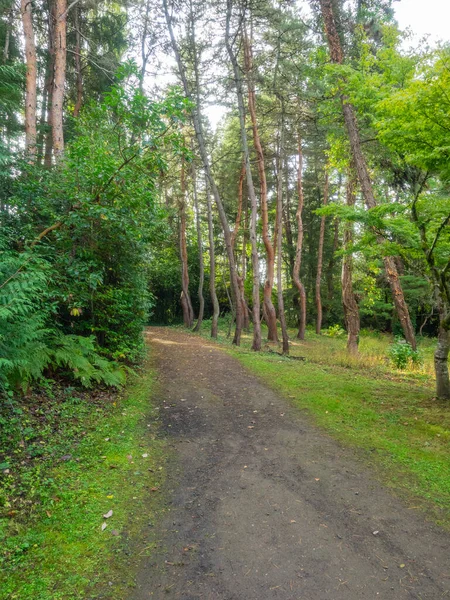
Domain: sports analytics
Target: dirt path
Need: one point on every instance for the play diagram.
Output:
(266, 506)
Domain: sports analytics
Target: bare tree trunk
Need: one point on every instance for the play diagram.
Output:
(441, 363)
(79, 100)
(320, 262)
(270, 314)
(287, 222)
(331, 263)
(212, 268)
(8, 32)
(279, 225)
(237, 223)
(256, 309)
(186, 305)
(198, 126)
(299, 246)
(60, 78)
(337, 56)
(200, 253)
(49, 84)
(351, 309)
(30, 94)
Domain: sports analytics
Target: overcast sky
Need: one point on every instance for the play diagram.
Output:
(425, 17)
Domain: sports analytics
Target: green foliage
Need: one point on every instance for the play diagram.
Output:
(83, 288)
(334, 331)
(402, 355)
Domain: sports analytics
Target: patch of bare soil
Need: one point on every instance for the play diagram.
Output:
(266, 506)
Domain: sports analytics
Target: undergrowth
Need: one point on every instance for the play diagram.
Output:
(68, 458)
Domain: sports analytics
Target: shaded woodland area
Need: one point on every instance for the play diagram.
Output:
(321, 199)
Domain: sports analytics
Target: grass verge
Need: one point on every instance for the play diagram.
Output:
(80, 457)
(391, 416)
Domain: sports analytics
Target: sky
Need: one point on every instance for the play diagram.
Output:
(425, 17)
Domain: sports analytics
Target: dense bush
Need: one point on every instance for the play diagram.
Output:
(73, 274)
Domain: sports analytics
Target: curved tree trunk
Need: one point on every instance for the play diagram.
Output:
(200, 254)
(198, 127)
(256, 309)
(59, 78)
(212, 268)
(337, 56)
(351, 309)
(320, 261)
(30, 94)
(299, 246)
(270, 314)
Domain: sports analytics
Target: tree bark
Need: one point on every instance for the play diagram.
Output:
(198, 127)
(351, 309)
(186, 304)
(270, 314)
(256, 309)
(279, 226)
(79, 100)
(320, 262)
(30, 93)
(299, 246)
(59, 78)
(212, 268)
(337, 56)
(200, 254)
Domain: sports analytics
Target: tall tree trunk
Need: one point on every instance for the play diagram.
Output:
(337, 56)
(212, 268)
(200, 254)
(49, 83)
(256, 309)
(299, 246)
(351, 309)
(186, 304)
(9, 27)
(287, 222)
(30, 94)
(279, 226)
(79, 100)
(320, 261)
(331, 263)
(237, 223)
(270, 314)
(59, 78)
(198, 127)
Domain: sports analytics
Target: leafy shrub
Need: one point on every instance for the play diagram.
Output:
(402, 355)
(334, 331)
(30, 342)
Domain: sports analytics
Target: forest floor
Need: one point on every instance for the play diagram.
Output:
(263, 503)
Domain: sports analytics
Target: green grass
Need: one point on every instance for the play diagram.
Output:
(51, 538)
(366, 404)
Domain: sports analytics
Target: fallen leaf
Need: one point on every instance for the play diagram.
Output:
(402, 566)
(154, 489)
(317, 478)
(104, 526)
(375, 532)
(145, 455)
(49, 514)
(108, 514)
(110, 496)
